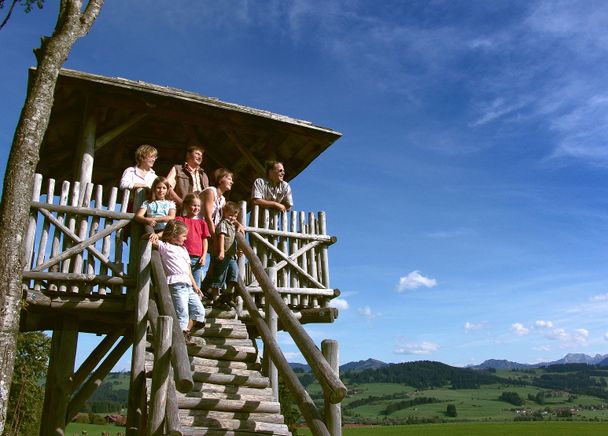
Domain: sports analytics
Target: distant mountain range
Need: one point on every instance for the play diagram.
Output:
(598, 359)
(361, 365)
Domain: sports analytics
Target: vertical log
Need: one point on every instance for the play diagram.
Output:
(95, 225)
(85, 153)
(63, 200)
(284, 275)
(333, 412)
(67, 242)
(59, 383)
(44, 234)
(83, 224)
(160, 375)
(295, 281)
(118, 247)
(137, 394)
(107, 241)
(241, 260)
(262, 251)
(30, 234)
(324, 259)
(303, 259)
(272, 321)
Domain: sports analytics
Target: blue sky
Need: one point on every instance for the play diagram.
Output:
(468, 192)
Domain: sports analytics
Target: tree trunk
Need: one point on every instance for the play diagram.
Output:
(72, 23)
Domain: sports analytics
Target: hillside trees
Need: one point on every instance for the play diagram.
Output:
(27, 394)
(74, 21)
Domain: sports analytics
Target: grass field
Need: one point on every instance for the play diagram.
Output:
(92, 429)
(481, 429)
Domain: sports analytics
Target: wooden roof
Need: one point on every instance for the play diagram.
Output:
(130, 113)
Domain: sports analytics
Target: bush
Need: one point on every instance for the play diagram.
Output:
(512, 398)
(451, 411)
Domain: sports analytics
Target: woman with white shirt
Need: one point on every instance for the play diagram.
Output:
(141, 175)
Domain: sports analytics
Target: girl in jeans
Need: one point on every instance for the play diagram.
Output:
(185, 292)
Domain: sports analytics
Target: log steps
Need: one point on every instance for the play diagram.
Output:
(230, 395)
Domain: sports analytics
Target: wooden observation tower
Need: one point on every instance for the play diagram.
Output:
(87, 270)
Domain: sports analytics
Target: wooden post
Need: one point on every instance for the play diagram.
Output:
(30, 235)
(59, 384)
(137, 390)
(324, 258)
(333, 412)
(160, 375)
(272, 322)
(85, 155)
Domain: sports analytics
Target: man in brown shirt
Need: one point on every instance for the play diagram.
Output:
(188, 177)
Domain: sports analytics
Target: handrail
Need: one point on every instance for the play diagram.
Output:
(179, 352)
(328, 379)
(305, 402)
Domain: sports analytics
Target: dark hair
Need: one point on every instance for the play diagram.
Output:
(193, 148)
(172, 229)
(155, 183)
(270, 164)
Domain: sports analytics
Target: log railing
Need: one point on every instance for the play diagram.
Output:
(333, 388)
(295, 244)
(74, 241)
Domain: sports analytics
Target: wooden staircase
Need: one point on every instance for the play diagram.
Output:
(230, 395)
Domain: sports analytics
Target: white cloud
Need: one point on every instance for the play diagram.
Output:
(471, 326)
(543, 324)
(367, 313)
(601, 297)
(419, 348)
(606, 336)
(519, 329)
(415, 280)
(339, 303)
(577, 337)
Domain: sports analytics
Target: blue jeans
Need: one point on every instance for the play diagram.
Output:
(221, 272)
(187, 304)
(198, 270)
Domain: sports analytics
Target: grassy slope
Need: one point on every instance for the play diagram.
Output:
(480, 429)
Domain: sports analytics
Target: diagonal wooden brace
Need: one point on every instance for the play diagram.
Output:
(82, 244)
(288, 260)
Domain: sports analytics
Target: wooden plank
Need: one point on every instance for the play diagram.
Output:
(73, 209)
(75, 277)
(95, 224)
(324, 257)
(291, 234)
(95, 357)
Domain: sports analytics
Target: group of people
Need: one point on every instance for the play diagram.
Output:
(192, 219)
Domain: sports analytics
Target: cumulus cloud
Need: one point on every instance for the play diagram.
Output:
(424, 347)
(519, 329)
(575, 337)
(471, 326)
(415, 280)
(339, 303)
(543, 324)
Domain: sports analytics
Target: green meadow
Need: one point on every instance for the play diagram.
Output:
(481, 429)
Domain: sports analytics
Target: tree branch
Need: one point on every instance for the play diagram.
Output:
(8, 14)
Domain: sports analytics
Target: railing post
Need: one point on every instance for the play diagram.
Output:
(137, 392)
(333, 412)
(160, 375)
(272, 321)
